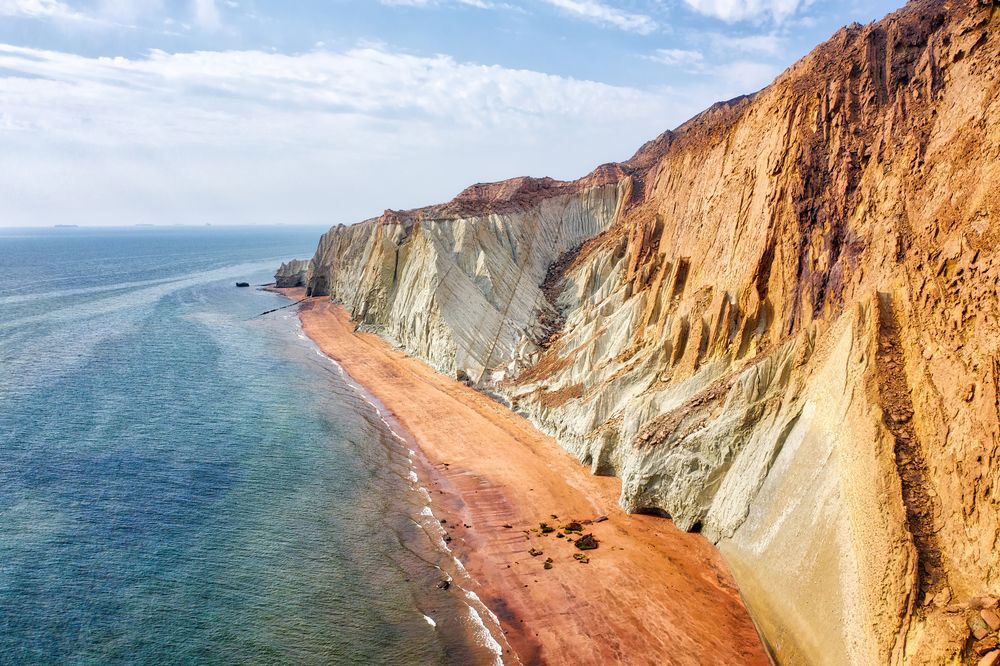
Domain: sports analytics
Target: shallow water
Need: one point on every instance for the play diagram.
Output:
(181, 482)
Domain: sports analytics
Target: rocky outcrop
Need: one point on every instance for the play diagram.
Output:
(777, 324)
(292, 274)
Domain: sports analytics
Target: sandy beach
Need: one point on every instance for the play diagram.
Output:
(650, 594)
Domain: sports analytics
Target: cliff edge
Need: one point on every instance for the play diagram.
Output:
(777, 324)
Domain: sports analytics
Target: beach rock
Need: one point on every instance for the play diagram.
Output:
(444, 585)
(587, 542)
(534, 552)
(990, 659)
(985, 645)
(600, 519)
(545, 528)
(573, 527)
(991, 618)
(978, 626)
(242, 284)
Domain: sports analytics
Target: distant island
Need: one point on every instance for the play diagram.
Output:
(66, 226)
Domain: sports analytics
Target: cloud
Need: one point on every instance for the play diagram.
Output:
(200, 94)
(478, 4)
(604, 14)
(206, 14)
(680, 57)
(741, 76)
(767, 44)
(48, 9)
(752, 10)
(320, 136)
(129, 11)
(751, 75)
(253, 136)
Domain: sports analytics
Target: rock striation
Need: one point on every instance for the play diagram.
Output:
(777, 324)
(292, 274)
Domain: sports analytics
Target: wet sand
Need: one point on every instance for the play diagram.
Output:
(650, 593)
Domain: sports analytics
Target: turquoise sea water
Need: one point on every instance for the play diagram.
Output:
(181, 482)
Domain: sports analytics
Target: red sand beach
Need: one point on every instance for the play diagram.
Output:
(650, 593)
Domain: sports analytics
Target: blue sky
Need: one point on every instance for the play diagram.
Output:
(253, 111)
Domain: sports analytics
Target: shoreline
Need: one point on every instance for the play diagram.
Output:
(649, 593)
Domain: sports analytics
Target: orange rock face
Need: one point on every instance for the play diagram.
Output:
(785, 337)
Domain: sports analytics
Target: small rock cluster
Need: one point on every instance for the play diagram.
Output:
(573, 528)
(984, 627)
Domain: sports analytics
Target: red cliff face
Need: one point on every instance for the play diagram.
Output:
(778, 324)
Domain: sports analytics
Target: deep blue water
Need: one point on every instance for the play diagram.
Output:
(181, 482)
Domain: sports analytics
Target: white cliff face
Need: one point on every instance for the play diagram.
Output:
(292, 274)
(462, 293)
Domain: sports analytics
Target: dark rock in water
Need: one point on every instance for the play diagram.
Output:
(587, 542)
(444, 585)
(242, 284)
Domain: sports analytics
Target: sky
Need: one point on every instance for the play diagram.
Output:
(120, 112)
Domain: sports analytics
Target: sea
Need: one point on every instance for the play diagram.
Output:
(186, 481)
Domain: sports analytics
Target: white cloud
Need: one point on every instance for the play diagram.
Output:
(199, 95)
(206, 14)
(51, 9)
(319, 136)
(751, 75)
(253, 136)
(129, 11)
(738, 76)
(767, 44)
(478, 4)
(678, 57)
(753, 10)
(605, 14)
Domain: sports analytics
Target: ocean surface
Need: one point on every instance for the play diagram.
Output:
(182, 481)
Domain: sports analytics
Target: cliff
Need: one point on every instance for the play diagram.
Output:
(777, 324)
(292, 274)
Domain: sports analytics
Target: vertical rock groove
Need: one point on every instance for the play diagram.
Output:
(897, 414)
